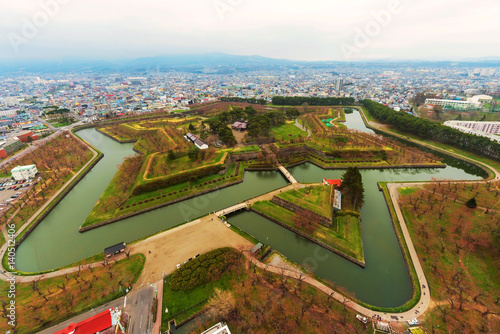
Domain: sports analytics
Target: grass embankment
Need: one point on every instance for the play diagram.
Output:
(102, 212)
(243, 301)
(344, 235)
(316, 199)
(460, 255)
(50, 301)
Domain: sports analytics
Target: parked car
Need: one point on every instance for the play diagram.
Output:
(14, 196)
(2, 189)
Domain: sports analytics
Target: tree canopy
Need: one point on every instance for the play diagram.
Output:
(312, 101)
(430, 130)
(352, 188)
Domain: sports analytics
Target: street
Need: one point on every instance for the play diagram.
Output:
(138, 307)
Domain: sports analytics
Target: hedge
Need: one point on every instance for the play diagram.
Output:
(203, 269)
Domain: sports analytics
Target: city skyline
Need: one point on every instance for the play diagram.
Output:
(316, 31)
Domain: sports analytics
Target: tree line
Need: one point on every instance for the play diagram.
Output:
(430, 130)
(312, 101)
(243, 100)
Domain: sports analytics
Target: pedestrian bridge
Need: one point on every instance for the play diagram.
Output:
(287, 174)
(231, 209)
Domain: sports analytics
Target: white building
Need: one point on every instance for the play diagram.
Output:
(475, 102)
(483, 129)
(24, 172)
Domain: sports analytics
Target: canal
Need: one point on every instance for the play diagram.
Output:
(385, 281)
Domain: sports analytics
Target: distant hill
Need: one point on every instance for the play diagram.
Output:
(219, 63)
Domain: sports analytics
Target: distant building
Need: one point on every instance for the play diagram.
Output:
(475, 102)
(196, 141)
(489, 130)
(485, 127)
(339, 83)
(336, 183)
(24, 172)
(240, 126)
(24, 136)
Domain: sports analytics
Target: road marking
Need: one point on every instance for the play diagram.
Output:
(140, 323)
(125, 302)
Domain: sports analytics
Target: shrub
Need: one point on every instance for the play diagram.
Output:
(157, 197)
(128, 206)
(133, 204)
(169, 194)
(140, 202)
(471, 203)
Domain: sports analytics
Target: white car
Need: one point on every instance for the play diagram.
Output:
(178, 265)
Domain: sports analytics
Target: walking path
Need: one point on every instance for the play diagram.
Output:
(303, 128)
(287, 174)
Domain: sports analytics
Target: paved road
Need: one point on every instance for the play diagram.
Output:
(138, 307)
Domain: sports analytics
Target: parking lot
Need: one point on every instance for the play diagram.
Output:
(9, 188)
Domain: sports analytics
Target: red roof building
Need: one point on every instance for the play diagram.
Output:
(97, 323)
(335, 183)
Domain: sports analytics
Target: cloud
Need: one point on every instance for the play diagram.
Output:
(305, 30)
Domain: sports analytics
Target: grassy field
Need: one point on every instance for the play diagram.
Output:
(47, 302)
(316, 199)
(459, 252)
(287, 132)
(345, 235)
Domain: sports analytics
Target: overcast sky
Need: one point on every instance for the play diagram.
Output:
(292, 29)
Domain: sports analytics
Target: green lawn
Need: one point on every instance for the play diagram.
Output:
(288, 131)
(316, 199)
(345, 235)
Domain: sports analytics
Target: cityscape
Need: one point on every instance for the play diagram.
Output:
(252, 172)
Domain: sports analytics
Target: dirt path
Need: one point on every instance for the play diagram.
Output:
(239, 136)
(165, 250)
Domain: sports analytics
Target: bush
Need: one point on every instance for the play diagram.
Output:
(471, 203)
(133, 204)
(140, 202)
